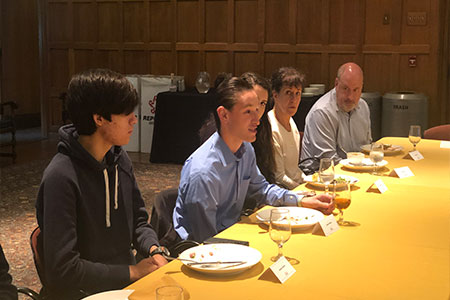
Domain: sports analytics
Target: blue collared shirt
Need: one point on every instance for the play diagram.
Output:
(213, 186)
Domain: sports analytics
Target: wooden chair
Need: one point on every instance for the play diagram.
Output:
(441, 132)
(8, 126)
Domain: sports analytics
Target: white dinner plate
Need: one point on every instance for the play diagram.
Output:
(388, 149)
(309, 179)
(366, 165)
(221, 253)
(111, 295)
(301, 217)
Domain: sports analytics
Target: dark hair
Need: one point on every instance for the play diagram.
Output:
(98, 91)
(226, 94)
(287, 76)
(263, 144)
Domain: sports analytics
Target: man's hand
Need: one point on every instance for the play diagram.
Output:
(144, 267)
(322, 202)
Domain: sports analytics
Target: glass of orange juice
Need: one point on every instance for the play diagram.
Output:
(342, 200)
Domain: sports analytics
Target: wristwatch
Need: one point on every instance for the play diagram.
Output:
(160, 250)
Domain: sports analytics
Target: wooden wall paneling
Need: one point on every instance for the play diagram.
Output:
(84, 59)
(44, 81)
(311, 65)
(58, 22)
(246, 62)
(309, 22)
(292, 21)
(417, 34)
(136, 61)
(344, 21)
(377, 73)
(109, 59)
(188, 21)
(277, 21)
(189, 66)
(20, 60)
(109, 22)
(188, 36)
(396, 21)
(444, 63)
(162, 63)
(135, 22)
(59, 69)
(84, 22)
(261, 25)
(56, 112)
(216, 21)
(376, 32)
(412, 79)
(201, 33)
(216, 62)
(273, 61)
(361, 23)
(325, 28)
(246, 27)
(336, 60)
(162, 21)
(231, 20)
(2, 33)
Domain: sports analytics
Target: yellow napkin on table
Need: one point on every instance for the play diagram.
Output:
(148, 289)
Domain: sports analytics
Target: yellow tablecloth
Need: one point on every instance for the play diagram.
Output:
(400, 251)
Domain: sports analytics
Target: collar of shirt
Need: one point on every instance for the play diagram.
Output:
(225, 154)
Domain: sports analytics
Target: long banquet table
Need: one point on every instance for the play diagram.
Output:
(401, 249)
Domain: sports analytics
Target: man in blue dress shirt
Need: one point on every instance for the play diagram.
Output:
(222, 173)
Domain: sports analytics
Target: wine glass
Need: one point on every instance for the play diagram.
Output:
(342, 200)
(280, 228)
(376, 155)
(326, 172)
(414, 135)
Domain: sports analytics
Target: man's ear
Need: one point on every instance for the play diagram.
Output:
(222, 112)
(336, 82)
(98, 120)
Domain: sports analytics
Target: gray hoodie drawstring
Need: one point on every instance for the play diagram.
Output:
(107, 198)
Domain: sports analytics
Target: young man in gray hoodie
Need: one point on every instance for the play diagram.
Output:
(89, 207)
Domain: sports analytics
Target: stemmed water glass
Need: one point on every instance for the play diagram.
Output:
(326, 172)
(376, 156)
(280, 228)
(414, 135)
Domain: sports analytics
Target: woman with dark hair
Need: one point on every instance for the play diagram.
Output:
(263, 145)
(287, 85)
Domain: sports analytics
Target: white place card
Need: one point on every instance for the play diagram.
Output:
(328, 225)
(445, 144)
(416, 155)
(380, 186)
(282, 269)
(402, 172)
